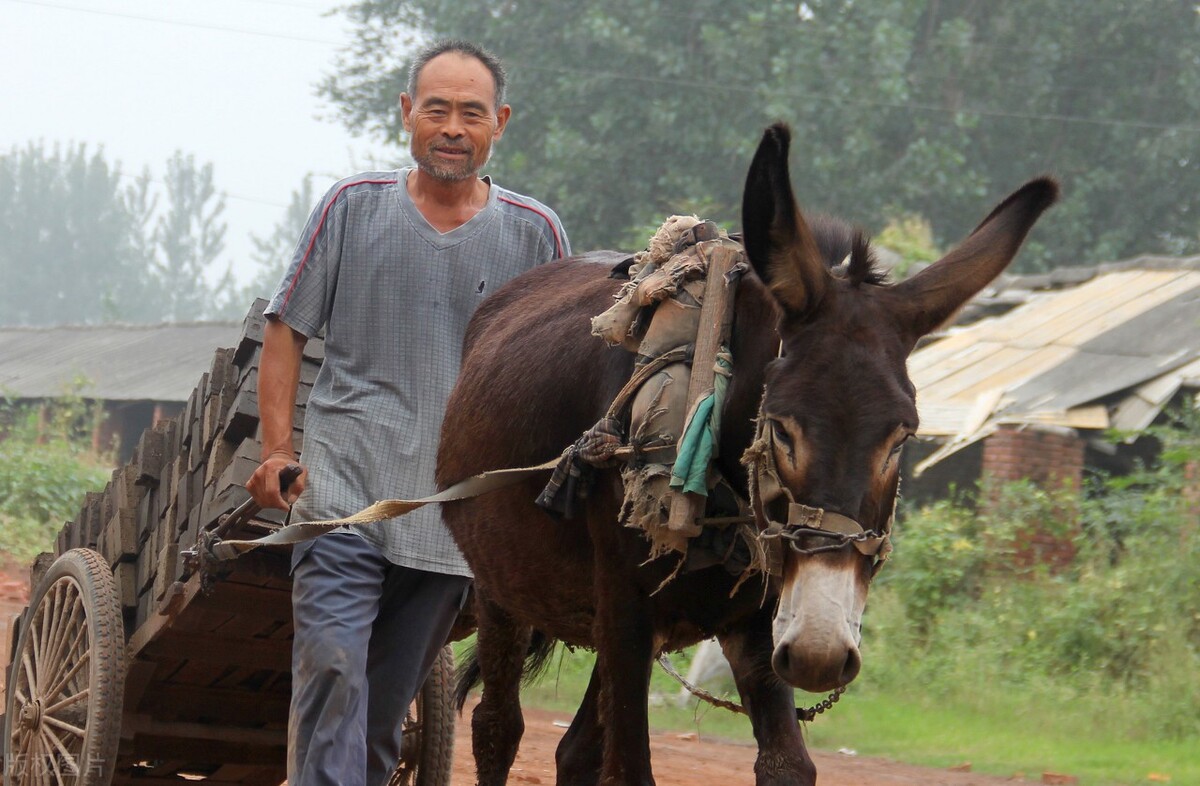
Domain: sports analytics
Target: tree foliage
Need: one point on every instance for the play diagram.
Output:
(625, 111)
(68, 251)
(188, 237)
(80, 246)
(273, 252)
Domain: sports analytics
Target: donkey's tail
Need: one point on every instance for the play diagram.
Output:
(467, 673)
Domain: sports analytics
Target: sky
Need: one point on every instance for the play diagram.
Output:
(232, 82)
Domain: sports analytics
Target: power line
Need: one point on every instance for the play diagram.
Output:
(176, 22)
(223, 194)
(676, 82)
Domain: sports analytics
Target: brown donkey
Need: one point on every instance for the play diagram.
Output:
(836, 407)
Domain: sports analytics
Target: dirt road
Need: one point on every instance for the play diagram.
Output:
(685, 760)
(678, 759)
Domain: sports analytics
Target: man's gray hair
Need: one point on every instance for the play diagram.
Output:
(466, 48)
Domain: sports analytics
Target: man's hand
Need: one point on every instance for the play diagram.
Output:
(264, 483)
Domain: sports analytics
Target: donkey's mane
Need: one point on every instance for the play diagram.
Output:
(837, 240)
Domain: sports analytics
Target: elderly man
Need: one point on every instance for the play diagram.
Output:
(391, 264)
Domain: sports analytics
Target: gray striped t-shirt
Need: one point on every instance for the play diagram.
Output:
(394, 296)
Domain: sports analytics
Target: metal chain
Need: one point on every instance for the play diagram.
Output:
(803, 714)
(793, 535)
(810, 714)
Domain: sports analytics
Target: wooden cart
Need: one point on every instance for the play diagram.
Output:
(131, 665)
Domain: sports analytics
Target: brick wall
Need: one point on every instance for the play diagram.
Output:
(1051, 457)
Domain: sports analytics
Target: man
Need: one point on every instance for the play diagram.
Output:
(391, 264)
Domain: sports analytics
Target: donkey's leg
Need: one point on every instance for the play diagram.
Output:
(580, 752)
(782, 758)
(624, 637)
(496, 723)
(623, 659)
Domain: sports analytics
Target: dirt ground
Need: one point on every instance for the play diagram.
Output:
(686, 760)
(678, 759)
(14, 594)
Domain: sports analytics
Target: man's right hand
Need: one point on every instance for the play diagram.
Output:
(264, 483)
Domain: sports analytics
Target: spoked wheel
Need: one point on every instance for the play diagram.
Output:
(427, 749)
(63, 708)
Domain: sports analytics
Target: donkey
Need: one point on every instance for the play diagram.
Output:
(819, 350)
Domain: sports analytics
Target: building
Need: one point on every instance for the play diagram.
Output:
(141, 373)
(1038, 369)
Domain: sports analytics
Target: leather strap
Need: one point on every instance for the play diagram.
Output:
(385, 509)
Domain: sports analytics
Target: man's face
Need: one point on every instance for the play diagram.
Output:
(453, 119)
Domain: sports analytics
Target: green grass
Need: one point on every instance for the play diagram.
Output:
(1000, 732)
(1017, 733)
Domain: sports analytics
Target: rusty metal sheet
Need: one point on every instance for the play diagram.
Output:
(1087, 377)
(1049, 316)
(1093, 417)
(1021, 366)
(1066, 349)
(1142, 309)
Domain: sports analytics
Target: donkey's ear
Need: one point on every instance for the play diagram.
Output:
(778, 242)
(932, 296)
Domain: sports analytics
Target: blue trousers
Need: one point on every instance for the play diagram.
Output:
(366, 635)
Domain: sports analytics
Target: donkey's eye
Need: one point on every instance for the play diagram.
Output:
(781, 434)
(895, 451)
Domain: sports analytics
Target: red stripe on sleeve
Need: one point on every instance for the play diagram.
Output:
(321, 225)
(558, 249)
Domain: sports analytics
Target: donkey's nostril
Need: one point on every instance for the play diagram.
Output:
(851, 667)
(781, 661)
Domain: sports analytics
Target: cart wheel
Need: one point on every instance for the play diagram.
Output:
(427, 750)
(63, 709)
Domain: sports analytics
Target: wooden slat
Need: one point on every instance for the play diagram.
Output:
(713, 324)
(268, 603)
(174, 701)
(223, 650)
(145, 724)
(212, 751)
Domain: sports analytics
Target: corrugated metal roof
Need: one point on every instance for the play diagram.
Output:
(118, 362)
(1126, 339)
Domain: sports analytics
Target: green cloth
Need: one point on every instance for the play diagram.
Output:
(701, 433)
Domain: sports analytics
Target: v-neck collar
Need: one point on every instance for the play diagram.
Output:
(427, 231)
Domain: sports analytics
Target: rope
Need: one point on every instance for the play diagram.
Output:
(803, 714)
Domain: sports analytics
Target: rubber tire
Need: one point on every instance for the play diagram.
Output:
(434, 710)
(437, 718)
(106, 670)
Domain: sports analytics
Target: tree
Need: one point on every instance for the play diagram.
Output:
(272, 253)
(187, 240)
(635, 109)
(78, 247)
(67, 250)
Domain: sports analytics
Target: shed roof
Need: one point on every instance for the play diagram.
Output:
(1110, 352)
(117, 362)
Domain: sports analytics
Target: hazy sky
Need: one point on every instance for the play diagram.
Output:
(230, 81)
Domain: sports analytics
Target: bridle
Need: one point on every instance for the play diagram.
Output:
(804, 523)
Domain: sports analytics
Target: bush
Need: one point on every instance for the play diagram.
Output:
(47, 465)
(1115, 636)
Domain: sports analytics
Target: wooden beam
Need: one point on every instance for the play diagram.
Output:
(716, 316)
(194, 732)
(196, 702)
(248, 653)
(212, 752)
